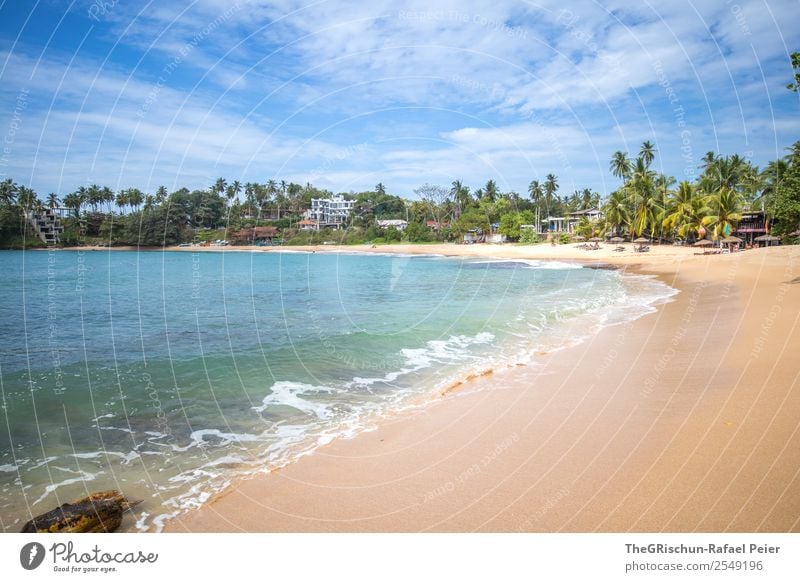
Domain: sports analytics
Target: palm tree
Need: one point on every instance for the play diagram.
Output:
(161, 195)
(380, 189)
(73, 201)
(647, 153)
(93, 196)
(460, 194)
(620, 165)
(122, 199)
(642, 198)
(724, 211)
(52, 200)
(550, 188)
(680, 213)
(490, 190)
(771, 179)
(537, 195)
(616, 211)
(8, 191)
(589, 199)
(708, 159)
(26, 197)
(135, 198)
(219, 186)
(107, 196)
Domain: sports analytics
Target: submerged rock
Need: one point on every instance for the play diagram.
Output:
(98, 513)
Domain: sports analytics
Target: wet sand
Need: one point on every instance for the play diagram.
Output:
(687, 419)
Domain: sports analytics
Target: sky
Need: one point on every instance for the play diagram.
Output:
(345, 95)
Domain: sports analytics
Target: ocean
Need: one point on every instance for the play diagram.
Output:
(169, 374)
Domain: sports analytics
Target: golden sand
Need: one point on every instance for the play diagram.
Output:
(687, 419)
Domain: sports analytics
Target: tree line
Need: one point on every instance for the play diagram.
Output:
(646, 203)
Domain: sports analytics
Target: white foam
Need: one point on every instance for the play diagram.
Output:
(535, 264)
(453, 349)
(8, 469)
(52, 487)
(286, 393)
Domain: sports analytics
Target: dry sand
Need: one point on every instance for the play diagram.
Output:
(685, 420)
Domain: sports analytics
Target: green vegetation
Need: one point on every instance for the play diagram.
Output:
(646, 203)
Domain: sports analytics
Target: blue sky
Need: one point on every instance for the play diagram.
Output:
(346, 95)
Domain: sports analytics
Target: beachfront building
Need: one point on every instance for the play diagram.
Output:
(307, 224)
(752, 225)
(554, 224)
(397, 224)
(330, 212)
(568, 224)
(46, 225)
(258, 235)
(436, 226)
(591, 214)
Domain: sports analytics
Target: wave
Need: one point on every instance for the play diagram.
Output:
(451, 350)
(533, 264)
(287, 393)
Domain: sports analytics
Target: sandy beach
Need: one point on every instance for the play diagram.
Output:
(684, 420)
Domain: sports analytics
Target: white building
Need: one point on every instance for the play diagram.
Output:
(398, 224)
(330, 212)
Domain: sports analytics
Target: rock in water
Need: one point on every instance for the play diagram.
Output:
(100, 512)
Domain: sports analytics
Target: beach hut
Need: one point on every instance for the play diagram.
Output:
(767, 238)
(732, 240)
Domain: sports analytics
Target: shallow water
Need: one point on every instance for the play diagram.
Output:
(168, 374)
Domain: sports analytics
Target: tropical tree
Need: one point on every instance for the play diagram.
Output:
(74, 201)
(795, 86)
(642, 198)
(26, 197)
(135, 198)
(107, 197)
(52, 200)
(685, 211)
(708, 159)
(616, 212)
(490, 191)
(786, 200)
(161, 194)
(550, 189)
(724, 212)
(8, 192)
(620, 165)
(460, 194)
(647, 153)
(122, 199)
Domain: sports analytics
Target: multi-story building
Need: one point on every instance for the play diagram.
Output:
(330, 212)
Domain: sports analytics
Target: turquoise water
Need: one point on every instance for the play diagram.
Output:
(168, 374)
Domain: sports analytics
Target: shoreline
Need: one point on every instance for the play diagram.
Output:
(664, 424)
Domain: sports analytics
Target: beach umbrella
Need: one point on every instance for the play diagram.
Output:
(617, 239)
(641, 240)
(703, 243)
(595, 239)
(767, 238)
(578, 237)
(795, 233)
(731, 240)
